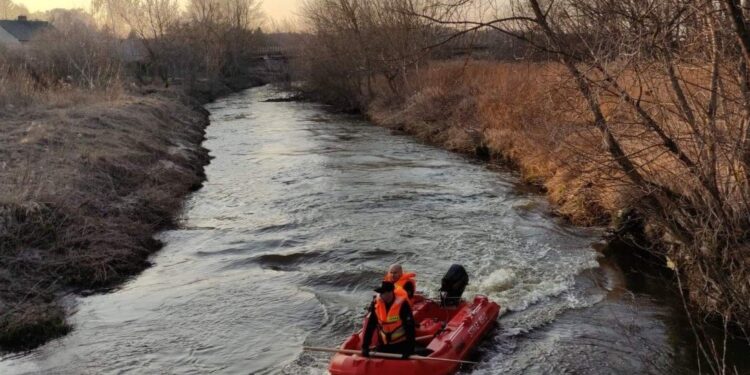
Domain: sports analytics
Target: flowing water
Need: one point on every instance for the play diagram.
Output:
(302, 212)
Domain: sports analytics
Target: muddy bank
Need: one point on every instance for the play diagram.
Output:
(84, 188)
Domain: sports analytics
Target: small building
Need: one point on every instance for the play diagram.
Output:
(14, 33)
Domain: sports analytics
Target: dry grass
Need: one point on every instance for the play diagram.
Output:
(83, 188)
(528, 114)
(91, 166)
(525, 114)
(93, 163)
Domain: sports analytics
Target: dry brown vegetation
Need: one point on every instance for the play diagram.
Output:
(96, 154)
(82, 190)
(522, 113)
(528, 114)
(629, 107)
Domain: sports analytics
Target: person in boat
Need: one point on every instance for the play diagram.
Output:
(405, 283)
(391, 316)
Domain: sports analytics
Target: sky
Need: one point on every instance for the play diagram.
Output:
(274, 9)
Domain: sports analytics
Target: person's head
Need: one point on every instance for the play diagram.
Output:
(386, 291)
(395, 271)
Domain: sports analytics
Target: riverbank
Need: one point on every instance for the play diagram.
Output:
(531, 115)
(86, 180)
(518, 114)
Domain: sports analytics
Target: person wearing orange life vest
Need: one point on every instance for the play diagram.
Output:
(391, 317)
(405, 282)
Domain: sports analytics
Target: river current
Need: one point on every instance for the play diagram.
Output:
(301, 214)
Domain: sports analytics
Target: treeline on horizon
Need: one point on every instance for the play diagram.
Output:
(624, 110)
(138, 42)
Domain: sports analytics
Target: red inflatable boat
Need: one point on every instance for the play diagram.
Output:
(446, 332)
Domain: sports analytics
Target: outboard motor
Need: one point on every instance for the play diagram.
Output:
(452, 285)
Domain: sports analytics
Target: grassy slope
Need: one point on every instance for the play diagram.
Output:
(83, 189)
(524, 114)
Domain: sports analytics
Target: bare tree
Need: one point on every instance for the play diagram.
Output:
(666, 86)
(150, 21)
(360, 42)
(11, 10)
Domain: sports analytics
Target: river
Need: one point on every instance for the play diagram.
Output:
(301, 214)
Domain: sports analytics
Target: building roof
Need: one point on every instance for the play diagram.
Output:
(23, 30)
(6, 39)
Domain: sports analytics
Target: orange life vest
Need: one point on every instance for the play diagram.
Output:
(390, 326)
(400, 283)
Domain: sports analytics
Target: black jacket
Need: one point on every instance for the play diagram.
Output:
(409, 288)
(407, 319)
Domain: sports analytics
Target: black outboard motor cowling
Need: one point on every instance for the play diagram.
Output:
(452, 285)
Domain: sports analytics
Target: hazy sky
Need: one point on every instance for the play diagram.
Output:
(276, 9)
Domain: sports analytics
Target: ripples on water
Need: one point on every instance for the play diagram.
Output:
(302, 212)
